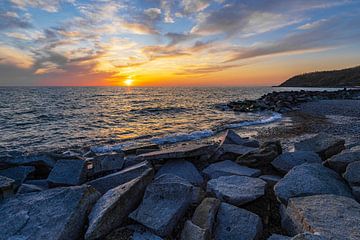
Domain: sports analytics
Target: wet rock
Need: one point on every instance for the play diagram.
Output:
(7, 187)
(69, 172)
(230, 152)
(193, 232)
(28, 188)
(331, 216)
(237, 224)
(310, 179)
(183, 169)
(231, 137)
(104, 163)
(52, 214)
(340, 161)
(270, 179)
(164, 203)
(19, 174)
(352, 174)
(108, 182)
(278, 237)
(323, 144)
(286, 161)
(228, 168)
(236, 190)
(114, 206)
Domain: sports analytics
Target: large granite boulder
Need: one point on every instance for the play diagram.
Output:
(236, 190)
(183, 169)
(110, 181)
(115, 205)
(231, 137)
(230, 152)
(331, 216)
(228, 168)
(352, 174)
(286, 161)
(237, 224)
(340, 161)
(52, 214)
(323, 144)
(164, 203)
(7, 187)
(104, 163)
(19, 174)
(310, 179)
(68, 172)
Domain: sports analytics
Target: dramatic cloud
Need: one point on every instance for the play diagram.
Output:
(10, 20)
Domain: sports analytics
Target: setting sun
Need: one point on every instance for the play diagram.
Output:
(128, 82)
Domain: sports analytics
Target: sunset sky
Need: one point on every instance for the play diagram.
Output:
(174, 43)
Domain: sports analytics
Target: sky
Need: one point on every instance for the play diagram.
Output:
(174, 43)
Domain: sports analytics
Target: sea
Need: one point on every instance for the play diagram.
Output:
(36, 119)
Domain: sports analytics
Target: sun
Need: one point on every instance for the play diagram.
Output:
(129, 82)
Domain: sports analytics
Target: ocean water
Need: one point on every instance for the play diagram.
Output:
(41, 119)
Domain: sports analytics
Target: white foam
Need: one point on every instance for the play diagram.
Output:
(272, 118)
(182, 137)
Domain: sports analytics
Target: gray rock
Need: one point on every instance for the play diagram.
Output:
(7, 187)
(352, 174)
(356, 192)
(19, 174)
(183, 169)
(286, 161)
(68, 172)
(164, 203)
(310, 179)
(134, 149)
(42, 183)
(331, 216)
(278, 237)
(40, 160)
(340, 161)
(308, 236)
(52, 214)
(205, 213)
(270, 179)
(194, 232)
(28, 188)
(104, 163)
(108, 182)
(115, 205)
(231, 137)
(230, 152)
(236, 190)
(131, 161)
(228, 168)
(144, 236)
(323, 144)
(237, 224)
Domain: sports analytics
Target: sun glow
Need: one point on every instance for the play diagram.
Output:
(129, 82)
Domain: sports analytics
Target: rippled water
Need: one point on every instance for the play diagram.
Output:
(34, 119)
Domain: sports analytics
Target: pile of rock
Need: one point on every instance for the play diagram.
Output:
(287, 100)
(193, 191)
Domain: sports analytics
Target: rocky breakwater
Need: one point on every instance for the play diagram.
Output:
(288, 100)
(236, 189)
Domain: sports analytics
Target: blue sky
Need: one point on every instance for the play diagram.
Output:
(181, 42)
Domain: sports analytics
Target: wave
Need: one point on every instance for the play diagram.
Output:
(155, 110)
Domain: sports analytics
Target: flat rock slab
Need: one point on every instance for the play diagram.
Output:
(110, 181)
(115, 205)
(234, 223)
(310, 179)
(68, 172)
(164, 203)
(352, 174)
(340, 161)
(323, 144)
(236, 190)
(331, 216)
(7, 187)
(229, 168)
(183, 169)
(19, 174)
(52, 214)
(231, 137)
(286, 161)
(104, 163)
(231, 151)
(28, 188)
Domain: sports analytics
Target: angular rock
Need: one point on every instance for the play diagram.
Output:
(194, 232)
(7, 187)
(115, 205)
(230, 152)
(41, 183)
(356, 192)
(310, 179)
(340, 161)
(40, 160)
(236, 190)
(286, 161)
(19, 174)
(134, 149)
(308, 236)
(323, 144)
(108, 182)
(270, 179)
(183, 169)
(231, 137)
(237, 224)
(331, 216)
(144, 236)
(352, 174)
(104, 163)
(205, 213)
(68, 172)
(228, 168)
(278, 237)
(164, 203)
(28, 188)
(52, 214)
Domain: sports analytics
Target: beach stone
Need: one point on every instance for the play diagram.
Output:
(278, 237)
(183, 169)
(28, 188)
(114, 206)
(331, 216)
(231, 137)
(7, 187)
(310, 179)
(340, 161)
(68, 172)
(286, 161)
(308, 236)
(194, 232)
(52, 214)
(236, 190)
(352, 174)
(205, 213)
(323, 144)
(19, 174)
(230, 152)
(164, 203)
(110, 181)
(228, 168)
(104, 163)
(270, 179)
(234, 223)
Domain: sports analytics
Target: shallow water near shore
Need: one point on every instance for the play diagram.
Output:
(41, 119)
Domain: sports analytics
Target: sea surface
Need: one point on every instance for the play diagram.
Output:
(107, 118)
